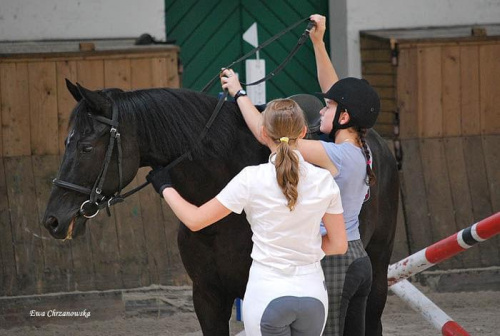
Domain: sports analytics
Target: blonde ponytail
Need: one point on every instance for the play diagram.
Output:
(284, 122)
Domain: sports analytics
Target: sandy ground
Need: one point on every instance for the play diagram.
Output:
(477, 312)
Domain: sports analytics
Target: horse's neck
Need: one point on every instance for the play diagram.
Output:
(151, 154)
(242, 148)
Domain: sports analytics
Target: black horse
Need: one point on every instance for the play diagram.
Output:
(159, 125)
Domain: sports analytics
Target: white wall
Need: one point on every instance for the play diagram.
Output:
(381, 14)
(74, 19)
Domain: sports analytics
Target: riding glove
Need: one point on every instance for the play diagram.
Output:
(160, 179)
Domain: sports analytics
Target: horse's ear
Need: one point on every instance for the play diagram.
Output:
(73, 90)
(96, 101)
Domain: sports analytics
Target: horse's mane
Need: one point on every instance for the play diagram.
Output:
(169, 121)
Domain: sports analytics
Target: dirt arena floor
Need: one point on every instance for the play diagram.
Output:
(477, 312)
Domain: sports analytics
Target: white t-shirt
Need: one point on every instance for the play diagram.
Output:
(283, 238)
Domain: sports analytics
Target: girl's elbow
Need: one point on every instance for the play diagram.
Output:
(194, 229)
(343, 247)
(193, 225)
(340, 248)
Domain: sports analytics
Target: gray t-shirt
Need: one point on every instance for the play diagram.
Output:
(351, 164)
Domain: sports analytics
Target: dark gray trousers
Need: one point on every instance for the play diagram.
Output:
(347, 287)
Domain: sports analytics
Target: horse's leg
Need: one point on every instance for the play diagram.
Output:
(213, 309)
(379, 250)
(380, 229)
(380, 258)
(211, 297)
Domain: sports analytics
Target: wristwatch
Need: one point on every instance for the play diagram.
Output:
(239, 94)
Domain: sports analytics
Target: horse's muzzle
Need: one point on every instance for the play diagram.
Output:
(54, 227)
(51, 224)
(60, 231)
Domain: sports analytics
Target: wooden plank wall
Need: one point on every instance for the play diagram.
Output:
(378, 70)
(449, 105)
(135, 247)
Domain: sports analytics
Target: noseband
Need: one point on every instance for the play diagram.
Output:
(97, 201)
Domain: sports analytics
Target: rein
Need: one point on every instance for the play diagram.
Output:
(91, 207)
(300, 42)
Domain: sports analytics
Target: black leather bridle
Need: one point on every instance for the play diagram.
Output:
(97, 201)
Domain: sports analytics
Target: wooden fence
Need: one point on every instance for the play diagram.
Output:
(135, 247)
(445, 88)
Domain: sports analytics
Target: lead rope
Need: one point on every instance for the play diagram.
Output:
(300, 42)
(280, 67)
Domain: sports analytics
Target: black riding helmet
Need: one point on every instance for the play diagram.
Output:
(359, 99)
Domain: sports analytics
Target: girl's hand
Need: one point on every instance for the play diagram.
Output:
(230, 81)
(318, 32)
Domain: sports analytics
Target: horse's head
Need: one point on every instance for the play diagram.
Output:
(88, 176)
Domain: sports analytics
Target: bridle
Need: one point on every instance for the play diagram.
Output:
(97, 201)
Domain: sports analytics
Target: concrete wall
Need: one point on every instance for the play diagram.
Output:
(74, 19)
(348, 17)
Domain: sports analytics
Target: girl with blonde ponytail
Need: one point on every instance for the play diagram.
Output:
(284, 200)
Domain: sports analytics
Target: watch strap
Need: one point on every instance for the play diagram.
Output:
(239, 94)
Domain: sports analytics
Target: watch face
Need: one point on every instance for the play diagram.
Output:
(239, 94)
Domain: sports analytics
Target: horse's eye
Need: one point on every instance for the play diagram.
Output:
(86, 148)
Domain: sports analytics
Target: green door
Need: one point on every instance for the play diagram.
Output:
(210, 32)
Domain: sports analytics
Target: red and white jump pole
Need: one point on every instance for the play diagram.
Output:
(444, 249)
(432, 313)
(430, 256)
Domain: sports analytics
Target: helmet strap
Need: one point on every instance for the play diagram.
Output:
(336, 125)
